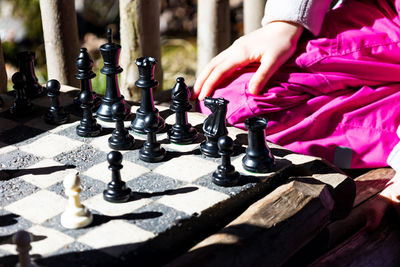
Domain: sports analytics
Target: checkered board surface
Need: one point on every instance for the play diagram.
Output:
(169, 198)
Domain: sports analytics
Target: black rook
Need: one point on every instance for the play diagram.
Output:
(146, 82)
(258, 157)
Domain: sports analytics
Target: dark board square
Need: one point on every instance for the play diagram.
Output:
(82, 157)
(169, 217)
(19, 134)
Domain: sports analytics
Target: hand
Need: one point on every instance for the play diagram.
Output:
(271, 46)
(389, 196)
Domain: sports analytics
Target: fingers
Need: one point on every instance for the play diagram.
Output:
(221, 70)
(205, 73)
(262, 75)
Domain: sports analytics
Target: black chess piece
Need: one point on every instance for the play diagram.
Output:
(146, 83)
(225, 175)
(258, 156)
(22, 105)
(55, 114)
(181, 132)
(110, 52)
(25, 64)
(116, 191)
(214, 126)
(88, 126)
(151, 150)
(85, 74)
(120, 138)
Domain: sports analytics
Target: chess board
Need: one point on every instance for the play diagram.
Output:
(174, 203)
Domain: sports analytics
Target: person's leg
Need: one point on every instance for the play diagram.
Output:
(332, 100)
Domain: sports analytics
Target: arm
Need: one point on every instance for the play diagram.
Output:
(308, 13)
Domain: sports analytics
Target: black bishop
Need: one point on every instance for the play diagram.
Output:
(181, 132)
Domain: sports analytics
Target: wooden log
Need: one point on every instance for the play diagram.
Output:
(3, 73)
(213, 30)
(341, 186)
(368, 186)
(378, 248)
(253, 12)
(140, 36)
(61, 41)
(269, 231)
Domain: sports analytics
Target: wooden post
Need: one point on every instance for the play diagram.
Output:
(61, 39)
(3, 74)
(213, 30)
(140, 36)
(253, 12)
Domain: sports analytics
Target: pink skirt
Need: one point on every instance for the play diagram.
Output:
(339, 97)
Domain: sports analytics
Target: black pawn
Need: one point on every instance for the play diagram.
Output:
(116, 189)
(225, 175)
(120, 138)
(258, 157)
(85, 74)
(146, 82)
(25, 64)
(181, 132)
(214, 126)
(151, 150)
(55, 114)
(110, 52)
(22, 105)
(88, 126)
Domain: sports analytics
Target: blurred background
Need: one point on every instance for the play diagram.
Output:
(21, 30)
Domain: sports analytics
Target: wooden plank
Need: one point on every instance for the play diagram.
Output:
(269, 231)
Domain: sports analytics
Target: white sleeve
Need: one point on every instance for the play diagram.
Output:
(394, 156)
(308, 13)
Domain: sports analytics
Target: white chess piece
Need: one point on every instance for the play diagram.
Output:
(75, 215)
(23, 241)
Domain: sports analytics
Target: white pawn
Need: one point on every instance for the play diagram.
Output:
(23, 241)
(75, 215)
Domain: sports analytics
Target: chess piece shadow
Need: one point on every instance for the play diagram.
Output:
(8, 219)
(169, 192)
(99, 219)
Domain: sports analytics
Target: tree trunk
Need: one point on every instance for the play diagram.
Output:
(213, 30)
(140, 36)
(60, 32)
(3, 74)
(253, 12)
